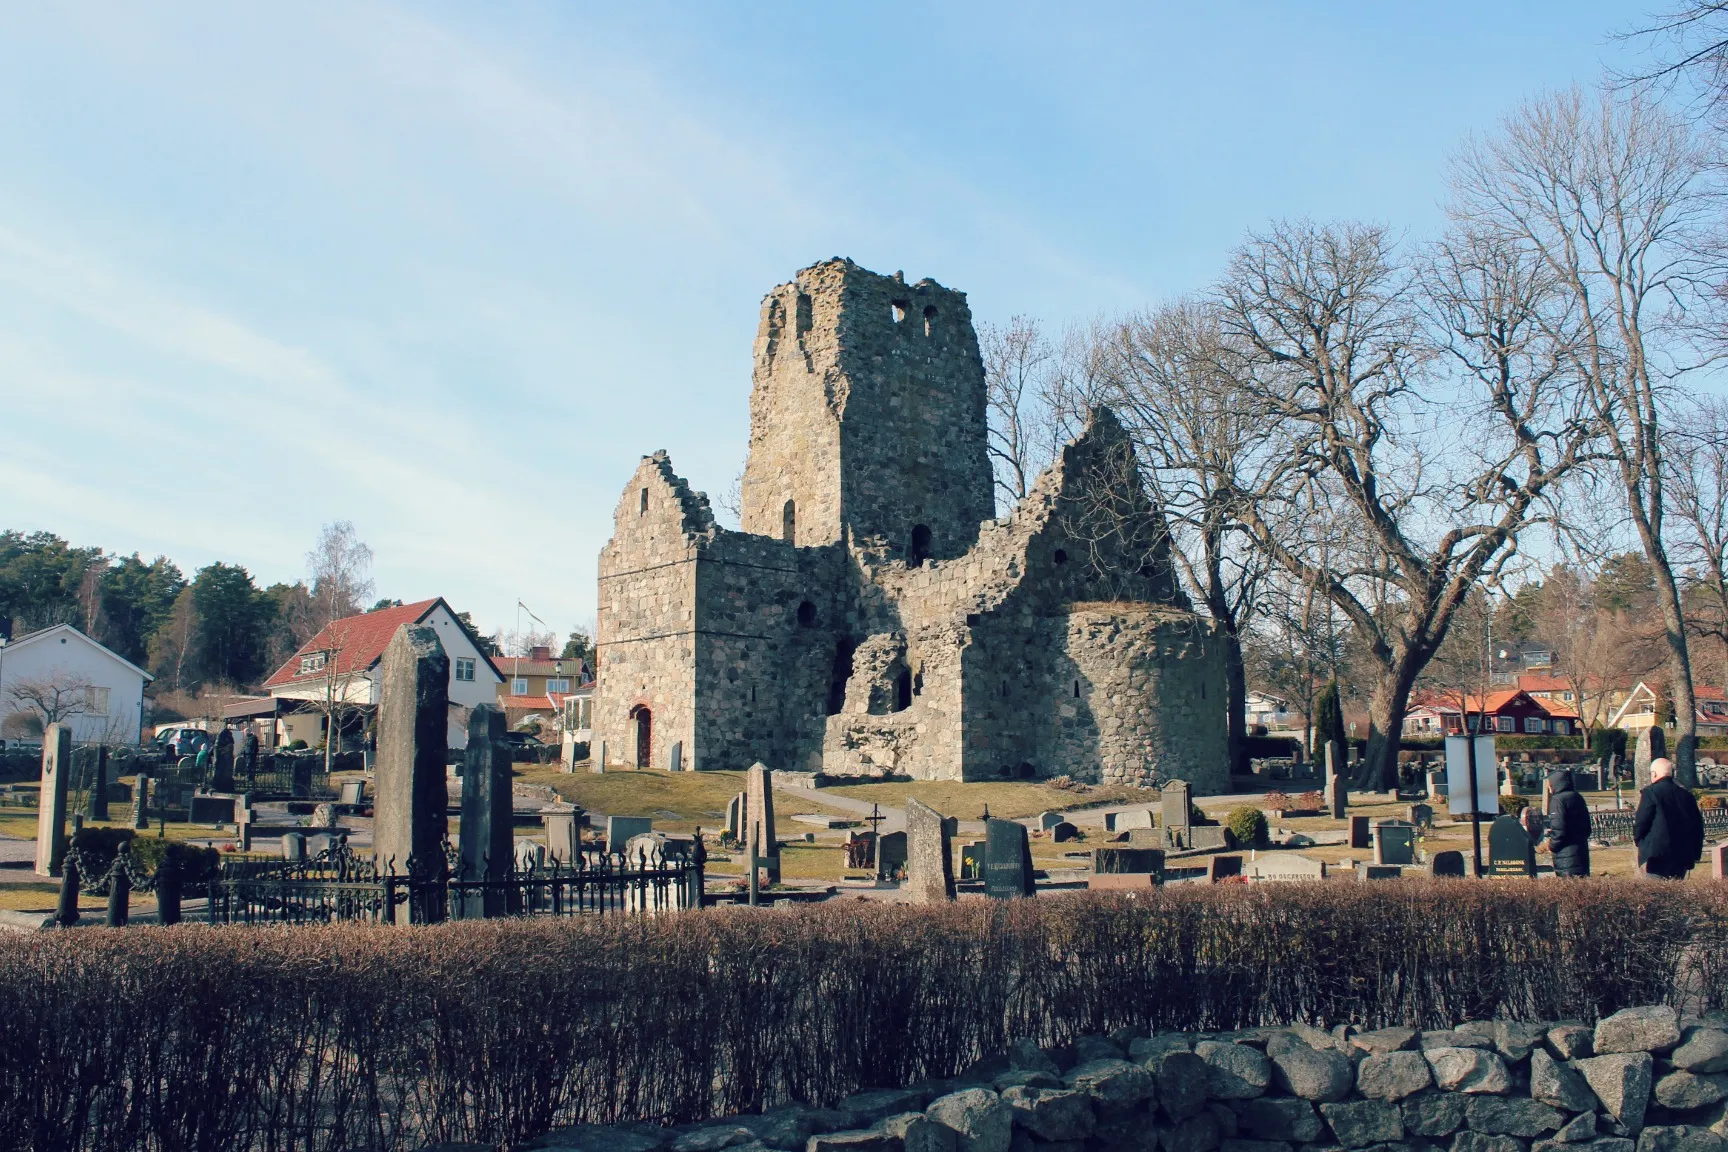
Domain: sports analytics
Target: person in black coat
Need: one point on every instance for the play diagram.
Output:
(1668, 828)
(1568, 826)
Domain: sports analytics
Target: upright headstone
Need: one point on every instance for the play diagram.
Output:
(1108, 861)
(1436, 783)
(141, 800)
(408, 825)
(1510, 849)
(620, 830)
(675, 757)
(891, 851)
(1361, 832)
(243, 817)
(563, 835)
(1420, 815)
(1394, 842)
(1007, 859)
(1719, 861)
(1448, 863)
(929, 861)
(294, 847)
(484, 833)
(1652, 745)
(96, 805)
(1285, 866)
(735, 817)
(597, 761)
(300, 778)
(1064, 833)
(51, 804)
(1178, 799)
(759, 819)
(1049, 820)
(1222, 868)
(1138, 818)
(222, 766)
(354, 791)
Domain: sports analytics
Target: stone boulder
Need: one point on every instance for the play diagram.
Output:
(1063, 1114)
(1580, 1128)
(1684, 1091)
(713, 1139)
(918, 1133)
(1393, 1075)
(1511, 1116)
(1704, 1050)
(1384, 1040)
(1115, 1086)
(1555, 1083)
(1469, 1070)
(1655, 1028)
(1184, 1080)
(1359, 1123)
(1680, 1138)
(1237, 1072)
(1025, 1055)
(1516, 1040)
(1621, 1080)
(1570, 1041)
(1312, 1074)
(1278, 1118)
(1477, 1142)
(1195, 1134)
(981, 1121)
(1433, 1114)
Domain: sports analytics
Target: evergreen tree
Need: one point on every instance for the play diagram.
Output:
(1328, 721)
(137, 599)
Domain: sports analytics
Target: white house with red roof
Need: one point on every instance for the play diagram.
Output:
(343, 663)
(1639, 710)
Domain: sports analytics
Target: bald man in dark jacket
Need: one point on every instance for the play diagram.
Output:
(1668, 827)
(1568, 826)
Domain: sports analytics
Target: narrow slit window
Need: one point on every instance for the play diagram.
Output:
(643, 510)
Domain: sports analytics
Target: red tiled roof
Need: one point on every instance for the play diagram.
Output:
(529, 702)
(523, 666)
(358, 642)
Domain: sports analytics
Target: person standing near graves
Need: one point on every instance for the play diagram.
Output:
(1568, 826)
(1668, 828)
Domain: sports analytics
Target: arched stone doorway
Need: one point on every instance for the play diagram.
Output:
(644, 735)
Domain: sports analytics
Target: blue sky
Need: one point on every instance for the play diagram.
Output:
(448, 271)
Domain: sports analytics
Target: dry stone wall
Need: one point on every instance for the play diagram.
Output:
(1642, 1080)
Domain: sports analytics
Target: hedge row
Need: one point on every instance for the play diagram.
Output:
(359, 1037)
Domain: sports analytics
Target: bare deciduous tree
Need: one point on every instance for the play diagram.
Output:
(1698, 470)
(1614, 196)
(52, 698)
(1358, 387)
(1196, 432)
(340, 567)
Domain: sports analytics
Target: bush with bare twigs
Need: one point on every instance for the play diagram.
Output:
(351, 1036)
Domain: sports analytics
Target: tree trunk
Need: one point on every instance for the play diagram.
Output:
(1685, 751)
(1236, 694)
(1387, 705)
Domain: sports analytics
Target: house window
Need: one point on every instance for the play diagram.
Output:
(96, 700)
(1533, 724)
(464, 668)
(519, 687)
(313, 662)
(1562, 728)
(557, 686)
(1505, 724)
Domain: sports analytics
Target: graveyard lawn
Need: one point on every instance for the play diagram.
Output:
(1012, 800)
(675, 801)
(44, 896)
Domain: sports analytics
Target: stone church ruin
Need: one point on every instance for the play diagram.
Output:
(873, 616)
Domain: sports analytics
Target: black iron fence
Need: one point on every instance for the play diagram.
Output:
(339, 886)
(1616, 827)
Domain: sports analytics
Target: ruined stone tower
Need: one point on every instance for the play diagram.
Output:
(872, 616)
(867, 416)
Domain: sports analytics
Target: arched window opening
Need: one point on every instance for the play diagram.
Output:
(644, 735)
(806, 615)
(789, 522)
(929, 317)
(841, 673)
(903, 690)
(643, 510)
(920, 551)
(900, 307)
(1059, 556)
(1076, 689)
